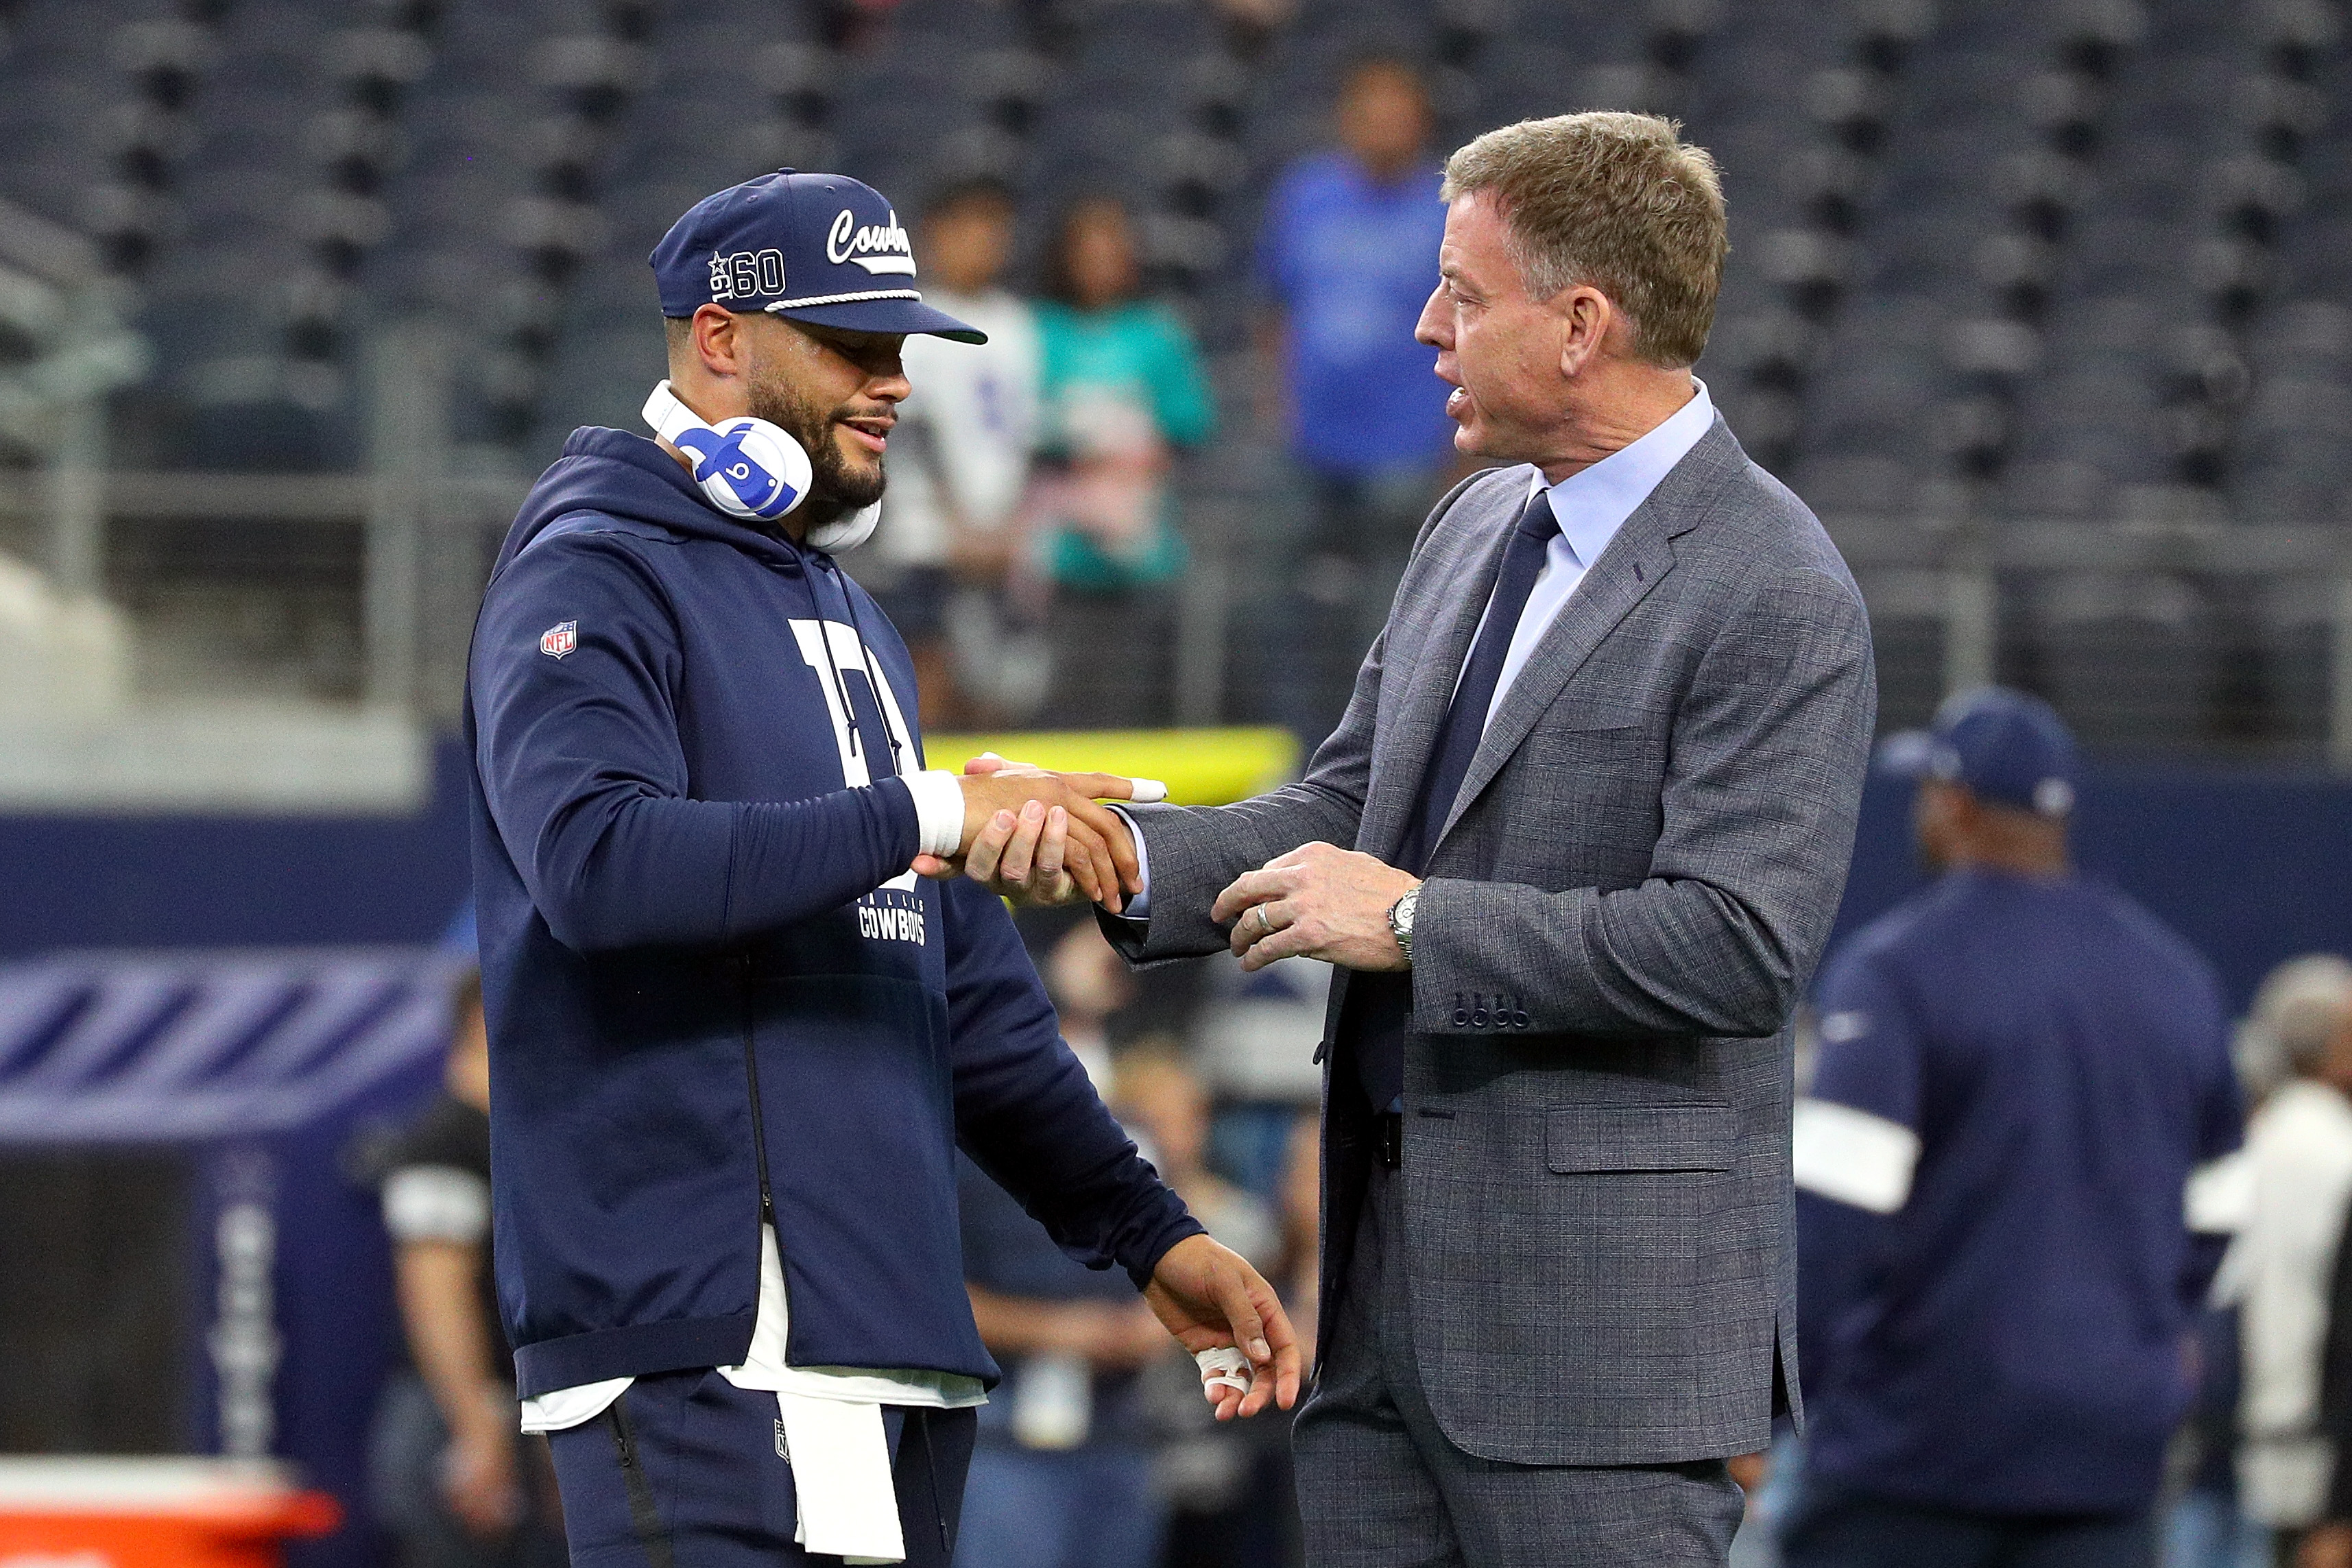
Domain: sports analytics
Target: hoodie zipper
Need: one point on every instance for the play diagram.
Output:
(759, 1122)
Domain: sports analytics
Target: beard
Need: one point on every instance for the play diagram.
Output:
(836, 479)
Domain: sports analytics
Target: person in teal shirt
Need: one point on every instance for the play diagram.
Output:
(1121, 391)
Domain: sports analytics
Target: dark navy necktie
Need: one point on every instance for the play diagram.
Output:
(1466, 721)
(1386, 999)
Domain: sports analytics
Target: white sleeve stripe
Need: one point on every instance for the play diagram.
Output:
(437, 1203)
(939, 811)
(1853, 1157)
(2220, 1196)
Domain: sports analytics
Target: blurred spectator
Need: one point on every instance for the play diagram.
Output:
(1062, 1476)
(1346, 259)
(1123, 389)
(959, 459)
(2293, 1012)
(2020, 1071)
(453, 1478)
(2278, 1273)
(1255, 1043)
(1256, 1038)
(2328, 1545)
(1227, 1486)
(1089, 983)
(2204, 1527)
(2294, 1008)
(1163, 1099)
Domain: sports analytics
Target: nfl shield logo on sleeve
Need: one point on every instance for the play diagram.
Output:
(560, 640)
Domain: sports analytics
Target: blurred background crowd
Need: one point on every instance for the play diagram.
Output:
(2045, 305)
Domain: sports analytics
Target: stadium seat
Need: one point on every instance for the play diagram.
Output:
(2132, 663)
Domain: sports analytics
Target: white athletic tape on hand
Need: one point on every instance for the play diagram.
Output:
(1142, 791)
(1224, 1367)
(1147, 791)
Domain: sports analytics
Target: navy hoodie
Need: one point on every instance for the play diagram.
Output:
(714, 989)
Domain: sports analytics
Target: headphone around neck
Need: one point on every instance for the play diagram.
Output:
(752, 469)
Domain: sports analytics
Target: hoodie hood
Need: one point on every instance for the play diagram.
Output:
(630, 477)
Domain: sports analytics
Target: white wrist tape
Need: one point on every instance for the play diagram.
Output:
(939, 811)
(1224, 1367)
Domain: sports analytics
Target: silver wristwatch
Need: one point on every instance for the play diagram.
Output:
(1400, 923)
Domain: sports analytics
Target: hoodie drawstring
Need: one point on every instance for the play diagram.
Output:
(840, 686)
(866, 657)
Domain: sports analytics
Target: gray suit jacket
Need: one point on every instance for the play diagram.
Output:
(1633, 889)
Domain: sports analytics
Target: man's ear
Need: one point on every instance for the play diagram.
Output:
(718, 340)
(1587, 317)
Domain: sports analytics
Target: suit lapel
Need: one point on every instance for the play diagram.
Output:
(1629, 570)
(1429, 683)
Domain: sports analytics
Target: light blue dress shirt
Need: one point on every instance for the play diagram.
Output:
(1591, 505)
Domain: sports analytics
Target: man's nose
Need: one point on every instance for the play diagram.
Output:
(891, 387)
(1432, 329)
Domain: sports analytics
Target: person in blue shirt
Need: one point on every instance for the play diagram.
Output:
(1345, 257)
(2020, 1071)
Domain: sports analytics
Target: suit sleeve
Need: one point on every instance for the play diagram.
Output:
(1855, 1147)
(1195, 852)
(1191, 853)
(586, 781)
(1028, 1116)
(1768, 748)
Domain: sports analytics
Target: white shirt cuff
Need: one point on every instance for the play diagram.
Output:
(939, 811)
(1140, 907)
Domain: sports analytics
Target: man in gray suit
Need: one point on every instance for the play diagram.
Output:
(1600, 778)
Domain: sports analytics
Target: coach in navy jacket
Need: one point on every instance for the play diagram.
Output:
(717, 994)
(2001, 1246)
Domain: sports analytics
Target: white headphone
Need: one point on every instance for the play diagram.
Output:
(751, 469)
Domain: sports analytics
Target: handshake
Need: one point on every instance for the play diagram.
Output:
(1038, 837)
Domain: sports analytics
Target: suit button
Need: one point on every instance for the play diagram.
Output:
(1520, 1020)
(1478, 1016)
(1460, 1013)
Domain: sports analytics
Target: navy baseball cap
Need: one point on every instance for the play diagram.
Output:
(2007, 747)
(815, 247)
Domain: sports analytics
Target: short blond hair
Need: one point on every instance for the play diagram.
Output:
(1616, 201)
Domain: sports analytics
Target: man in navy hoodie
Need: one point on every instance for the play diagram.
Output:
(735, 1038)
